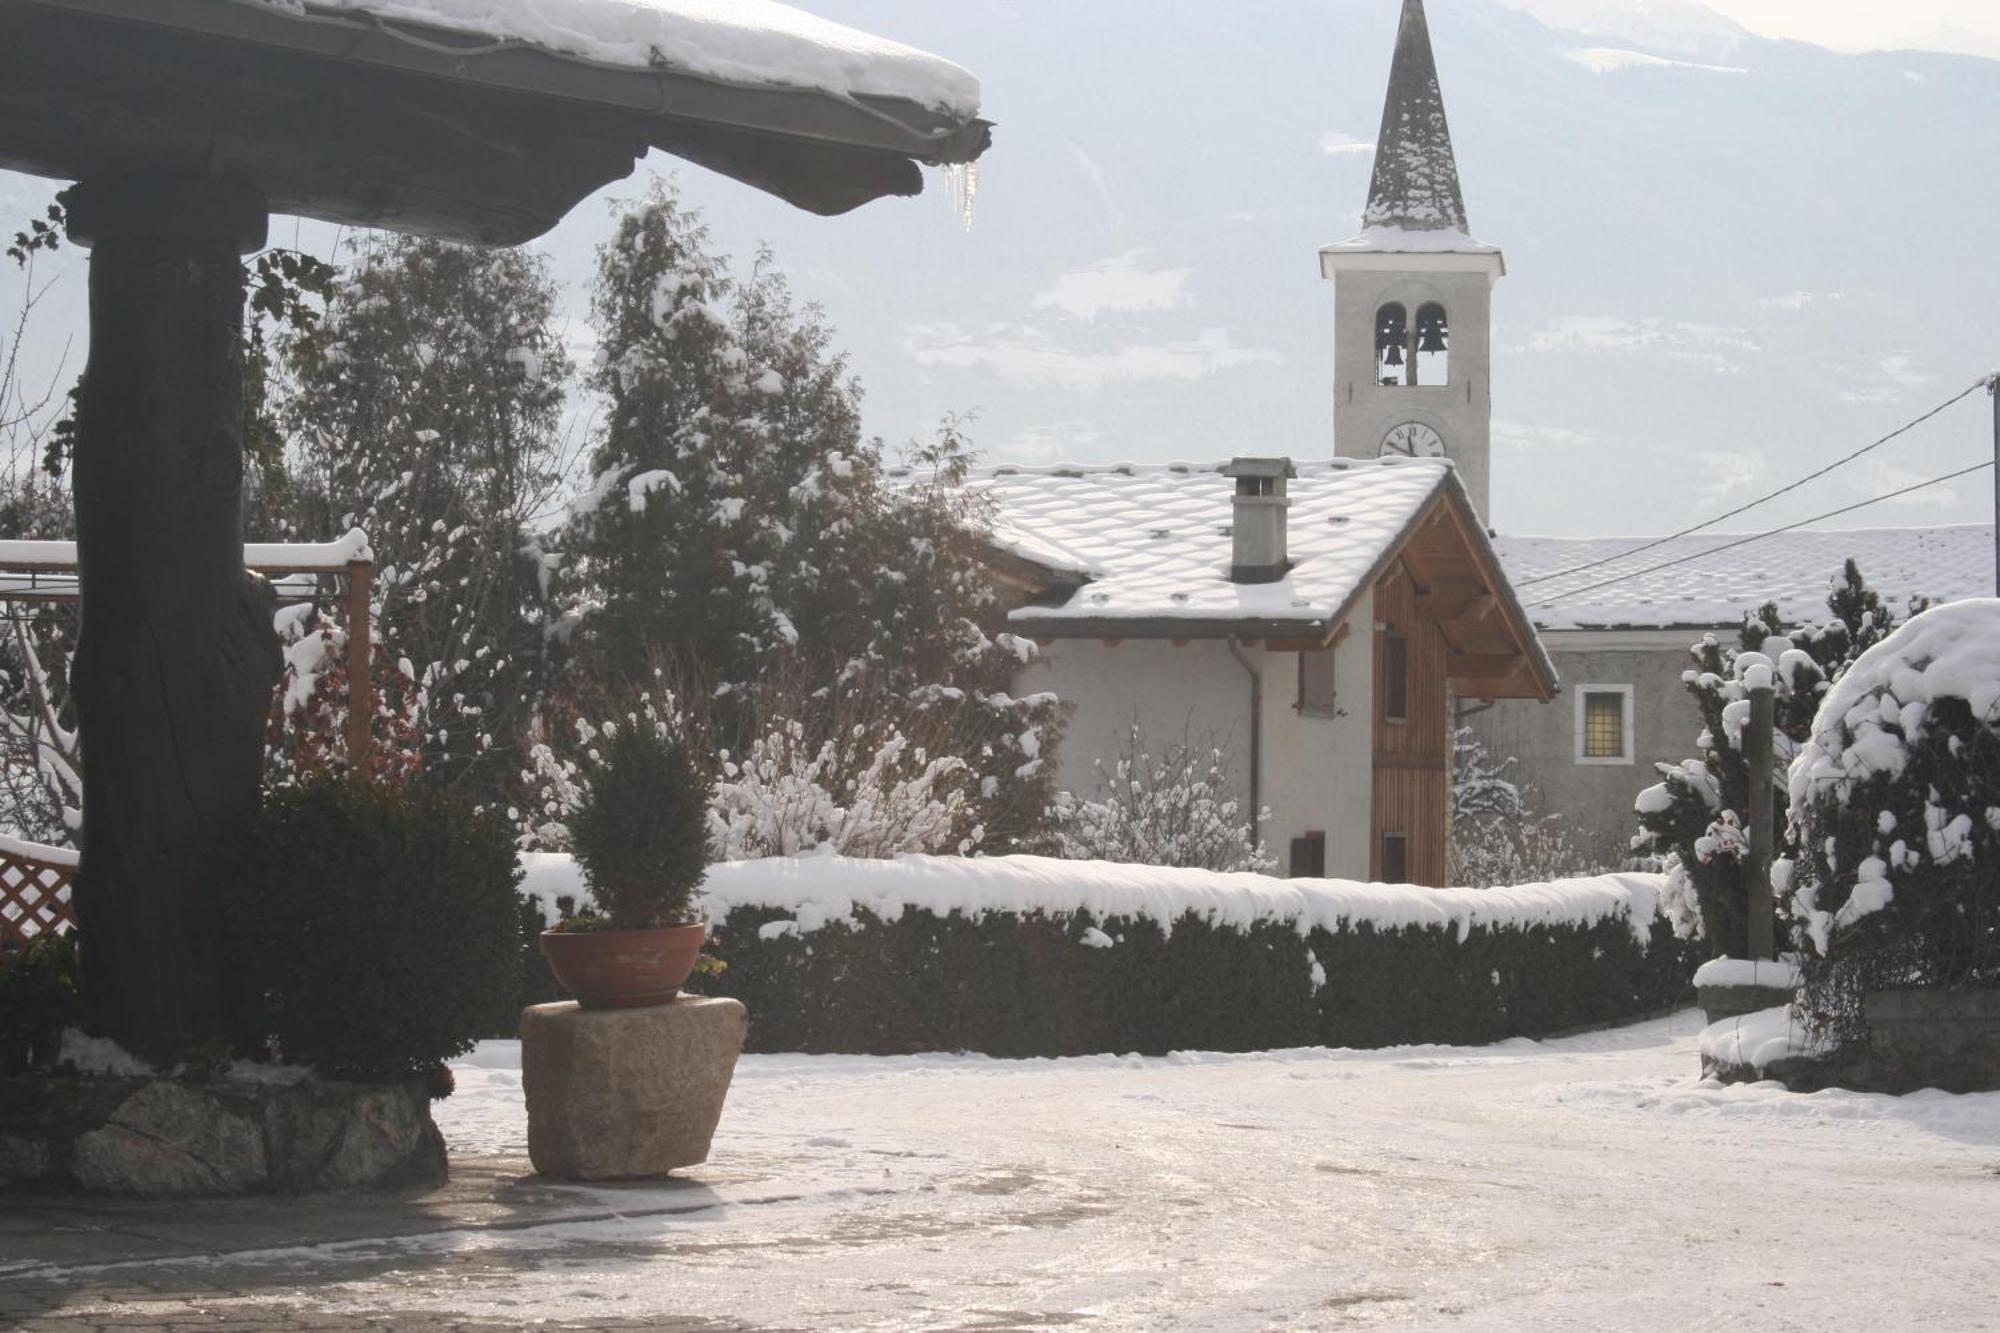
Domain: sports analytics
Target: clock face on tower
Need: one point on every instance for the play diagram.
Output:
(1412, 439)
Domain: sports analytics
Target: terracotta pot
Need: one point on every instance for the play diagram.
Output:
(623, 969)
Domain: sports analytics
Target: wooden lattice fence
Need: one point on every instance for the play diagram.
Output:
(34, 890)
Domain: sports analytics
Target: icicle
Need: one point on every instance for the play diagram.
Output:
(962, 185)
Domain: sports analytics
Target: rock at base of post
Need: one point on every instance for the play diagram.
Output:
(620, 1094)
(167, 1138)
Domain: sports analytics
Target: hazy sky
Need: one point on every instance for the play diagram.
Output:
(1971, 26)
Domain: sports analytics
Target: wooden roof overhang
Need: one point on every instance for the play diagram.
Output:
(357, 120)
(1492, 650)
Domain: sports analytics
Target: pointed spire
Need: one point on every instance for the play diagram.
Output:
(1416, 176)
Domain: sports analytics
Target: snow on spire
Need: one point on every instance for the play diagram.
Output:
(1416, 177)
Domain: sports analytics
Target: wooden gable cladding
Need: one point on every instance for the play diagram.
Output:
(1489, 650)
(1411, 753)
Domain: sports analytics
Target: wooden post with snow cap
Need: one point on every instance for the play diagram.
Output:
(360, 674)
(1757, 745)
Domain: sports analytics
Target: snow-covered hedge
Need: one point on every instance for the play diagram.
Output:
(1028, 956)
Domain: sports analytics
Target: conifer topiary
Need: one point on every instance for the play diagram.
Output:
(641, 831)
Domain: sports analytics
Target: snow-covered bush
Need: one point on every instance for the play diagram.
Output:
(1175, 808)
(1696, 816)
(1497, 835)
(787, 796)
(1895, 805)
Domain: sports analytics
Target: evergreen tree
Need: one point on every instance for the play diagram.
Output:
(1698, 816)
(742, 536)
(428, 412)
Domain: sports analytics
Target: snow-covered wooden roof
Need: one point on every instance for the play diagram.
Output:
(750, 43)
(1154, 540)
(476, 120)
(1711, 588)
(1145, 551)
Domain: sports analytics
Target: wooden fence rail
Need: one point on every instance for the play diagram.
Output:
(34, 890)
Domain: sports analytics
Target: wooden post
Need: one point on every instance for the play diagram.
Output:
(1993, 391)
(176, 658)
(1757, 752)
(360, 663)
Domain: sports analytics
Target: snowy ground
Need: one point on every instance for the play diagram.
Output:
(1589, 1183)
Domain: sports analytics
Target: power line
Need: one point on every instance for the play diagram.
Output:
(1902, 430)
(1760, 536)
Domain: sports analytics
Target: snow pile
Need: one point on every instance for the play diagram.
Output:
(1775, 972)
(818, 891)
(1757, 1041)
(755, 43)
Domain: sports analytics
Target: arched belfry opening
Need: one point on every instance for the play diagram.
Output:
(1408, 354)
(1431, 361)
(1392, 350)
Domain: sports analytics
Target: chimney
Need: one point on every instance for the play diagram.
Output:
(1258, 552)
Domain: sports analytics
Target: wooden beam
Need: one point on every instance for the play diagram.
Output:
(1482, 666)
(1456, 600)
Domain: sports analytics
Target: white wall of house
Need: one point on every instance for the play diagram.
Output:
(1197, 693)
(1319, 771)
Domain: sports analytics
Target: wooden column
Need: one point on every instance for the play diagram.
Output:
(360, 680)
(1757, 747)
(176, 656)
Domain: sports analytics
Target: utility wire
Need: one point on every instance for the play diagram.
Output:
(1760, 536)
(1783, 490)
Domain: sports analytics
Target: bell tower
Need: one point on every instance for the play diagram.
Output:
(1413, 292)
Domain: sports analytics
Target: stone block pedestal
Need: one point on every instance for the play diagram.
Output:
(620, 1094)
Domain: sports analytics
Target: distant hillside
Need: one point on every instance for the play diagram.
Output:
(1729, 258)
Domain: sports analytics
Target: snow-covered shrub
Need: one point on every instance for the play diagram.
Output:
(785, 797)
(1696, 816)
(640, 832)
(375, 928)
(1895, 804)
(306, 736)
(1175, 808)
(1497, 835)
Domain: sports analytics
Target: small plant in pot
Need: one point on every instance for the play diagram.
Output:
(640, 836)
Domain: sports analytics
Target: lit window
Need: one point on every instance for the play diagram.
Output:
(1604, 724)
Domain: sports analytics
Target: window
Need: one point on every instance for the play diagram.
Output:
(1309, 856)
(1392, 345)
(1430, 354)
(1316, 692)
(1395, 678)
(1395, 858)
(1604, 724)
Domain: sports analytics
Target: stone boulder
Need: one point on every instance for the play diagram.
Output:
(620, 1094)
(156, 1138)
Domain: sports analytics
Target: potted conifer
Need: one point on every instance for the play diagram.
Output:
(640, 836)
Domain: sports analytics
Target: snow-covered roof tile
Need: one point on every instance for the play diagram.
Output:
(1709, 588)
(1156, 538)
(754, 43)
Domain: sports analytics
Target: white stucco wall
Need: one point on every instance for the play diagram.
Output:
(1595, 799)
(1317, 771)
